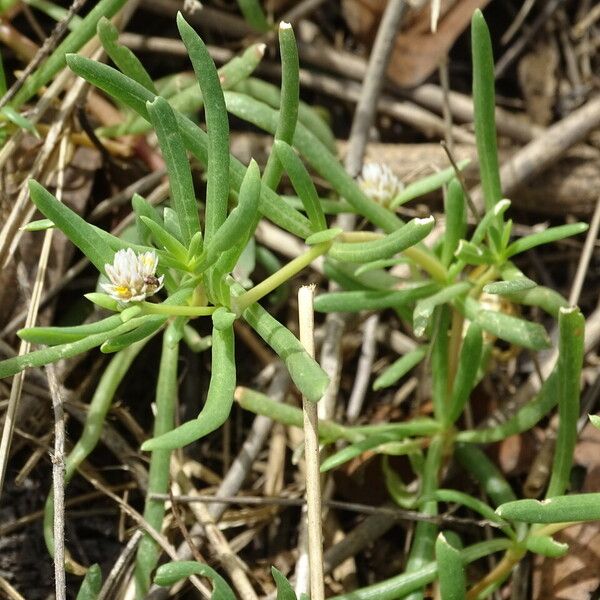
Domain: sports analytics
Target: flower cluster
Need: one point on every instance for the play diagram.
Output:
(378, 182)
(133, 277)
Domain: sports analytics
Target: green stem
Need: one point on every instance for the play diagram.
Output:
(422, 549)
(279, 278)
(150, 308)
(158, 476)
(571, 325)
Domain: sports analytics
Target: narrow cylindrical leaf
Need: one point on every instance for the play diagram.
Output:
(184, 94)
(218, 400)
(237, 228)
(472, 254)
(91, 584)
(408, 235)
(326, 235)
(504, 288)
(511, 329)
(253, 13)
(260, 404)
(270, 94)
(371, 299)
(305, 372)
(439, 361)
(52, 354)
(178, 167)
(547, 299)
(51, 336)
(424, 308)
(525, 418)
(401, 585)
(487, 474)
(490, 217)
(354, 450)
(451, 570)
(422, 548)
(81, 233)
(552, 234)
(466, 374)
(135, 96)
(546, 546)
(571, 326)
(456, 220)
(159, 473)
(428, 184)
(164, 239)
(122, 56)
(141, 207)
(150, 325)
(486, 511)
(172, 224)
(171, 573)
(559, 509)
(302, 183)
(217, 127)
(290, 99)
(484, 105)
(320, 159)
(400, 367)
(285, 591)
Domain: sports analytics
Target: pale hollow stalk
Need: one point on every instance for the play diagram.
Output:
(311, 453)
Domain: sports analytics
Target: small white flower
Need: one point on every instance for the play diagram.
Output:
(133, 277)
(378, 182)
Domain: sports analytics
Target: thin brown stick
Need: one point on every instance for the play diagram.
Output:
(120, 567)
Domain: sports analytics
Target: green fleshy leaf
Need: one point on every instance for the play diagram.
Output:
(170, 573)
(552, 234)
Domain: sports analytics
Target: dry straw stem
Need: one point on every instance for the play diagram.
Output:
(238, 472)
(24, 348)
(155, 535)
(311, 453)
(234, 567)
(22, 209)
(9, 590)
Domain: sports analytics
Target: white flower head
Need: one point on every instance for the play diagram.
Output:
(378, 182)
(133, 276)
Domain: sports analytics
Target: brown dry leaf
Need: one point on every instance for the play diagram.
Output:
(575, 576)
(417, 51)
(362, 16)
